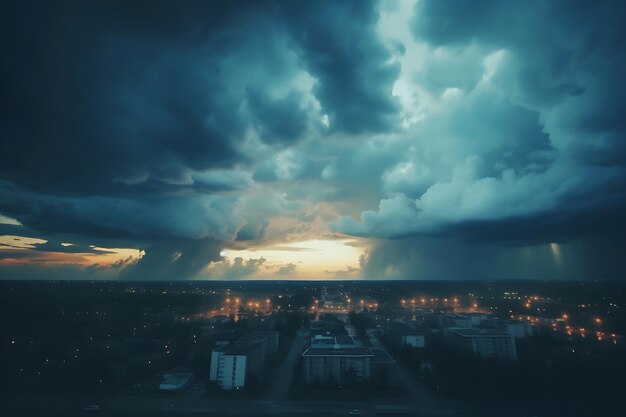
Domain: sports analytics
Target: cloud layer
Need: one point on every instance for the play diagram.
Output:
(183, 129)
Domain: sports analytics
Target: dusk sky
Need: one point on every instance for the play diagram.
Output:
(430, 139)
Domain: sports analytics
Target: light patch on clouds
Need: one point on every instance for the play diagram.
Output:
(312, 257)
(20, 242)
(9, 220)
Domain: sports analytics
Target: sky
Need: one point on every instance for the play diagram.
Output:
(229, 140)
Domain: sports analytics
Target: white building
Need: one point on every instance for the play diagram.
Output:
(216, 354)
(231, 372)
(236, 362)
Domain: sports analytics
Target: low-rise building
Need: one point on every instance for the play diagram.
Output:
(332, 341)
(238, 361)
(486, 343)
(457, 321)
(176, 381)
(476, 318)
(216, 353)
(232, 363)
(400, 334)
(518, 329)
(269, 340)
(322, 364)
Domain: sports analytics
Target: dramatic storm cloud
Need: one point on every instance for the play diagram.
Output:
(405, 139)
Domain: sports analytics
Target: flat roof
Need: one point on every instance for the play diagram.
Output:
(357, 351)
(479, 332)
(381, 356)
(242, 348)
(505, 321)
(344, 340)
(177, 379)
(456, 316)
(324, 341)
(222, 348)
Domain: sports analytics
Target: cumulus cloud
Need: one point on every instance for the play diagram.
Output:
(525, 134)
(286, 270)
(180, 129)
(237, 269)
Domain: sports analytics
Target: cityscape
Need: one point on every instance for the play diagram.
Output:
(313, 348)
(312, 208)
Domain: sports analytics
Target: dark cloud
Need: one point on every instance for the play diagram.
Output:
(173, 259)
(341, 49)
(95, 94)
(530, 134)
(183, 128)
(428, 258)
(278, 120)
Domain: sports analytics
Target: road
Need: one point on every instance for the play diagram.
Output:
(285, 372)
(423, 398)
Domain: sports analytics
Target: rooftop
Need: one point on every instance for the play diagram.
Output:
(381, 356)
(241, 348)
(479, 332)
(359, 351)
(344, 340)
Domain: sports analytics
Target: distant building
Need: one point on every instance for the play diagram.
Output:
(321, 364)
(231, 363)
(476, 318)
(517, 329)
(332, 341)
(327, 327)
(435, 319)
(401, 334)
(333, 302)
(269, 340)
(176, 381)
(381, 364)
(457, 321)
(216, 354)
(486, 343)
(237, 362)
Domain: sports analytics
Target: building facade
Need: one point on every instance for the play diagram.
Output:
(322, 364)
(486, 343)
